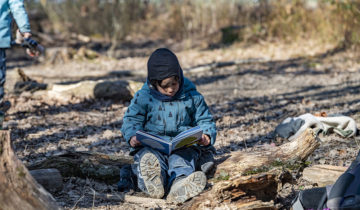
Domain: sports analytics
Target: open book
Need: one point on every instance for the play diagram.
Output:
(184, 139)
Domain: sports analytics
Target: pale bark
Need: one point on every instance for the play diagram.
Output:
(89, 89)
(19, 190)
(117, 90)
(323, 175)
(141, 201)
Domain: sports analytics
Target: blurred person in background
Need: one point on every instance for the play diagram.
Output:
(16, 9)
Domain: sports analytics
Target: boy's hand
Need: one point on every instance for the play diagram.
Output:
(205, 140)
(27, 35)
(134, 142)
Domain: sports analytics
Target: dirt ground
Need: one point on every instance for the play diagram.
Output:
(248, 101)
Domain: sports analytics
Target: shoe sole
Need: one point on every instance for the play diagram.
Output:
(193, 185)
(151, 173)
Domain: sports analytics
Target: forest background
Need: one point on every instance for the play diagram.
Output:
(198, 23)
(255, 62)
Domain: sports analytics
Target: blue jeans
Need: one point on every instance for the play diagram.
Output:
(181, 162)
(2, 72)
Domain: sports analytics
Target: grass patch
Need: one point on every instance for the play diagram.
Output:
(222, 176)
(292, 165)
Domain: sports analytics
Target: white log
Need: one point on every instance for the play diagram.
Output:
(323, 175)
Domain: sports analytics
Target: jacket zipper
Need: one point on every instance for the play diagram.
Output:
(163, 118)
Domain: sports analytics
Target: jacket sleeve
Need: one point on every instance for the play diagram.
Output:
(204, 118)
(134, 117)
(19, 13)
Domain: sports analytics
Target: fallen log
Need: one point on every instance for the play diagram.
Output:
(246, 180)
(217, 65)
(85, 164)
(50, 179)
(323, 175)
(117, 90)
(231, 180)
(19, 190)
(27, 84)
(89, 89)
(142, 201)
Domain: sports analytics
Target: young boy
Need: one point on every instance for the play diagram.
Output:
(166, 105)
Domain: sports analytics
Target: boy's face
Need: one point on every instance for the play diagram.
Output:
(168, 86)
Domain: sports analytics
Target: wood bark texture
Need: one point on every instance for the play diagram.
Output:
(19, 190)
(323, 175)
(87, 89)
(117, 90)
(234, 189)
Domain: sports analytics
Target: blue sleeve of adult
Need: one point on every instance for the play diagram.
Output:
(19, 14)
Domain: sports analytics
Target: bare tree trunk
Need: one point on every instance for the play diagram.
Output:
(18, 188)
(235, 189)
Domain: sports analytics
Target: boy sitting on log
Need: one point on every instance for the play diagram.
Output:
(167, 105)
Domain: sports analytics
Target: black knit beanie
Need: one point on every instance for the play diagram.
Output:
(163, 64)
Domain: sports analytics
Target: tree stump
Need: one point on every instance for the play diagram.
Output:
(236, 188)
(18, 188)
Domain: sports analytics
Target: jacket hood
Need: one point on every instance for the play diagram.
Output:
(163, 64)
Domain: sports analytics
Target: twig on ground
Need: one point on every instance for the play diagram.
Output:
(245, 144)
(93, 204)
(77, 202)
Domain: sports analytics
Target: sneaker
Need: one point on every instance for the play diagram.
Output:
(126, 182)
(188, 187)
(4, 106)
(151, 173)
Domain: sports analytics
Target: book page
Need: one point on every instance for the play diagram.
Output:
(184, 133)
(187, 138)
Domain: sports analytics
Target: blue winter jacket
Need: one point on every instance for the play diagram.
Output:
(168, 118)
(16, 7)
